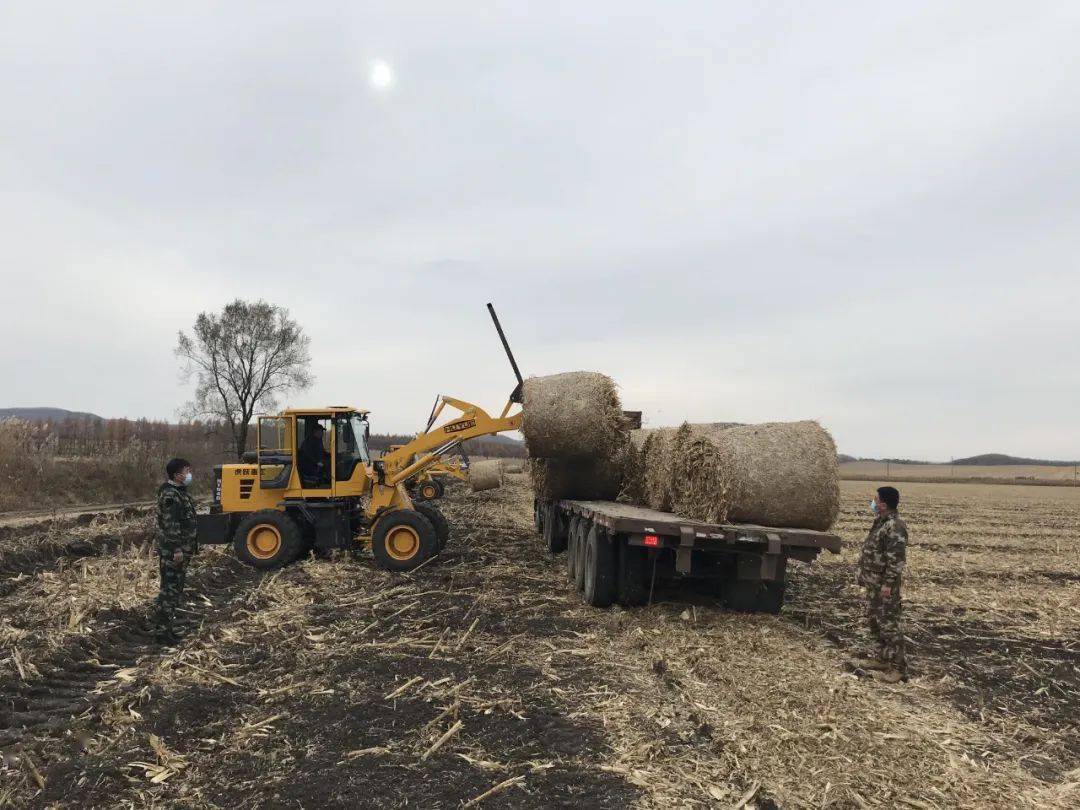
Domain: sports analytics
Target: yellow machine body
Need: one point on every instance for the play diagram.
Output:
(272, 480)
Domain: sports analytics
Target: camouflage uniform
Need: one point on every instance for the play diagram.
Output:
(176, 532)
(882, 563)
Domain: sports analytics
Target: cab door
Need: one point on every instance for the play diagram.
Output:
(275, 451)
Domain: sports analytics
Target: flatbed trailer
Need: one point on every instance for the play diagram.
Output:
(616, 552)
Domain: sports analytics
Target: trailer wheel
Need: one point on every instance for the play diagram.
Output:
(268, 539)
(403, 539)
(579, 552)
(599, 568)
(631, 574)
(438, 522)
(571, 548)
(554, 539)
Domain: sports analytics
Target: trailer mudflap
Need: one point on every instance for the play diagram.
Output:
(685, 551)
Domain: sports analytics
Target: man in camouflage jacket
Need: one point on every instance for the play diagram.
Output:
(881, 570)
(176, 543)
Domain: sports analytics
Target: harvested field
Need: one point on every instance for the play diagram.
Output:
(932, 473)
(482, 677)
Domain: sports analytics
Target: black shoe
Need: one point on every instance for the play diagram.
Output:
(167, 637)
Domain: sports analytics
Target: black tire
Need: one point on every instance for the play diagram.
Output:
(438, 522)
(554, 536)
(631, 575)
(427, 490)
(268, 539)
(403, 540)
(583, 527)
(571, 549)
(599, 568)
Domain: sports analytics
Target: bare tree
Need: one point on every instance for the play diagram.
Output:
(242, 360)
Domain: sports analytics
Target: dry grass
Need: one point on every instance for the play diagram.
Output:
(482, 678)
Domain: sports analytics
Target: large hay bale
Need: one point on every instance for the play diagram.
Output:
(513, 465)
(656, 448)
(484, 475)
(774, 474)
(576, 415)
(582, 479)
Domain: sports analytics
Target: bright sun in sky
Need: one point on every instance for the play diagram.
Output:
(381, 75)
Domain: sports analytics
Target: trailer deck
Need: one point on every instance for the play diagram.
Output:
(617, 550)
(624, 518)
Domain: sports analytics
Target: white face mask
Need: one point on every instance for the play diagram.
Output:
(187, 480)
(873, 506)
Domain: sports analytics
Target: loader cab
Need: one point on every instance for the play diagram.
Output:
(312, 453)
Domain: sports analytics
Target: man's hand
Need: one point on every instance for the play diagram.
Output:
(886, 591)
(178, 556)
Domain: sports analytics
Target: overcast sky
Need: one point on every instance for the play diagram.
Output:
(862, 213)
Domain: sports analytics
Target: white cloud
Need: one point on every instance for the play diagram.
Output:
(864, 215)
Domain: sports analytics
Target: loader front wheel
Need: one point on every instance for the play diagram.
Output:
(268, 539)
(403, 540)
(438, 522)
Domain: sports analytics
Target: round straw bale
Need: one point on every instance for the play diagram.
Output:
(657, 446)
(582, 479)
(576, 415)
(773, 474)
(485, 475)
(513, 465)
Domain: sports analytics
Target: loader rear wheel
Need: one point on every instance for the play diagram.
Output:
(403, 540)
(268, 539)
(599, 568)
(438, 522)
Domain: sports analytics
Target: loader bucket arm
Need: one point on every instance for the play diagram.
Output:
(397, 466)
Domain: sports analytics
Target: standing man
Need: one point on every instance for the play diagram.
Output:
(881, 569)
(176, 543)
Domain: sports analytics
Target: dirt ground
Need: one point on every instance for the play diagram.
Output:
(481, 679)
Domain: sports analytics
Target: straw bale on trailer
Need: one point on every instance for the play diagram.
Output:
(576, 415)
(604, 478)
(773, 474)
(656, 448)
(485, 475)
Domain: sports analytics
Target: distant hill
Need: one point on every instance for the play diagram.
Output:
(985, 460)
(47, 414)
(1002, 460)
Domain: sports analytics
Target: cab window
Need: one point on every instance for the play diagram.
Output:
(351, 445)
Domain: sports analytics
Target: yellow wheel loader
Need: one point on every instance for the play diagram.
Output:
(429, 486)
(312, 484)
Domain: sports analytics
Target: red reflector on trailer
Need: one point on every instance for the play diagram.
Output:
(652, 540)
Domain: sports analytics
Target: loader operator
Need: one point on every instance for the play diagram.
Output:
(313, 461)
(177, 543)
(881, 569)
